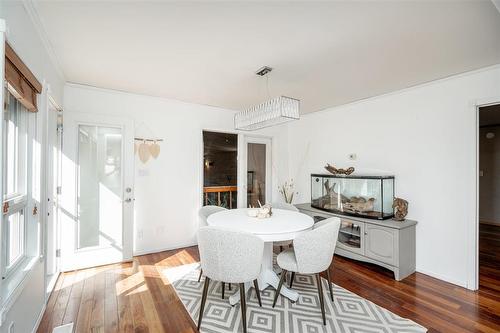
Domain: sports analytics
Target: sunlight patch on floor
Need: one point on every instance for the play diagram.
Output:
(175, 273)
(131, 284)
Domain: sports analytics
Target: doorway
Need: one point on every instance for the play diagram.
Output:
(489, 197)
(220, 169)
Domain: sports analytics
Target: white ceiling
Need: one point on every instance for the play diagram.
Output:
(324, 53)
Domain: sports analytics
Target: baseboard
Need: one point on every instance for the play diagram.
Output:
(441, 277)
(52, 283)
(40, 316)
(156, 250)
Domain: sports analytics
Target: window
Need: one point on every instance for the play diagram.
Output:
(15, 178)
(15, 138)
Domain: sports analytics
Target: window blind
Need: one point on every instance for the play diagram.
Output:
(24, 84)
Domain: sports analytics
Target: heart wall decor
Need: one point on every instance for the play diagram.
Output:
(144, 153)
(147, 148)
(154, 149)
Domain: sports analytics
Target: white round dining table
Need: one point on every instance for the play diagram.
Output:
(281, 226)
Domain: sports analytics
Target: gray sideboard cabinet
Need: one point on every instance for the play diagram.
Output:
(387, 243)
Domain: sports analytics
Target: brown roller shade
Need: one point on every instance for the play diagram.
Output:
(23, 81)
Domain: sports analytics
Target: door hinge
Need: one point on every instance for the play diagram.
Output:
(59, 190)
(58, 253)
(5, 208)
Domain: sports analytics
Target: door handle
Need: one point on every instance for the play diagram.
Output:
(128, 200)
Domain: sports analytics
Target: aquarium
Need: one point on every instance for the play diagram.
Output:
(364, 196)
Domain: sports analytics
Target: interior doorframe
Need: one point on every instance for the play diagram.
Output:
(53, 179)
(473, 228)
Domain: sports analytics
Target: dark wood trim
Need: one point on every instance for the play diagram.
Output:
(218, 189)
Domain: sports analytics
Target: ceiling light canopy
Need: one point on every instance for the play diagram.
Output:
(275, 111)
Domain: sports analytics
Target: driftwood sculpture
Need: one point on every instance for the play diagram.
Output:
(335, 171)
(400, 209)
(332, 198)
(359, 205)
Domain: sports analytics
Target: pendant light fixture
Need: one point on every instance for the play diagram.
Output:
(275, 111)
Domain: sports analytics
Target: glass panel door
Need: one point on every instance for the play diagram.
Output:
(97, 199)
(350, 234)
(256, 174)
(99, 186)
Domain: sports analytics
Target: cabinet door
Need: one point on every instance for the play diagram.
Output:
(351, 236)
(381, 243)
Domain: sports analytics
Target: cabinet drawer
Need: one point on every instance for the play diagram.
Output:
(381, 244)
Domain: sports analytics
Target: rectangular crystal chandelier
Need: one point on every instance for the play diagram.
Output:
(272, 112)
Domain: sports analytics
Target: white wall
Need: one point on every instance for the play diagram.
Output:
(426, 137)
(25, 40)
(168, 189)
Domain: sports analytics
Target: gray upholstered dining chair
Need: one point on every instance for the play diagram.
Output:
(204, 213)
(312, 253)
(320, 223)
(230, 256)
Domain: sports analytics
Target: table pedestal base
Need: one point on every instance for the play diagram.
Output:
(267, 278)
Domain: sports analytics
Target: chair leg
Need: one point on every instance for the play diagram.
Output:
(257, 291)
(281, 248)
(199, 276)
(329, 282)
(230, 287)
(203, 300)
(282, 279)
(243, 303)
(321, 300)
(291, 279)
(223, 288)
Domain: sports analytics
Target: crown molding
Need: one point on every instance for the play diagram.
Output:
(30, 7)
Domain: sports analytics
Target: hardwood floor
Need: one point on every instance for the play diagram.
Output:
(134, 297)
(489, 257)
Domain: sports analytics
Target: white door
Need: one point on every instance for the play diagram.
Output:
(53, 180)
(97, 196)
(256, 171)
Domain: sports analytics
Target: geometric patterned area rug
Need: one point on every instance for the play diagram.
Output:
(348, 313)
